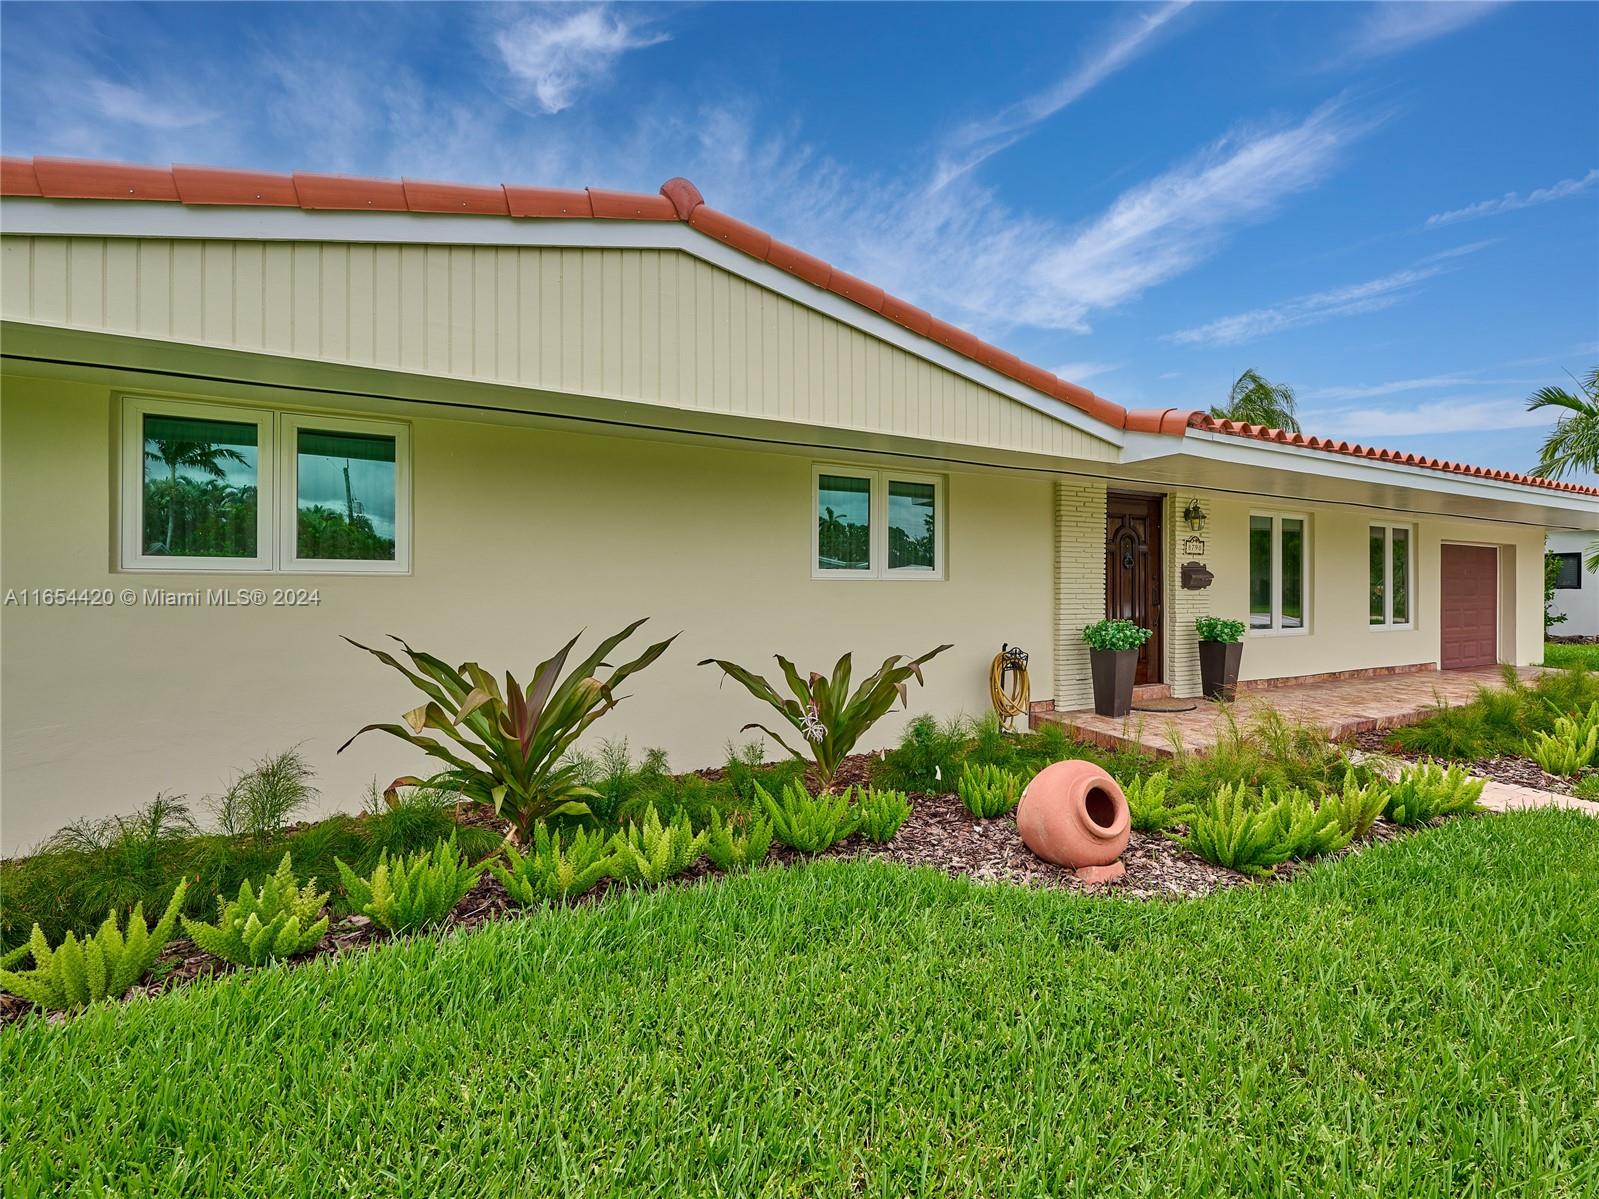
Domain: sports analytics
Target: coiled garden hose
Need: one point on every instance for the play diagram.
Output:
(1007, 682)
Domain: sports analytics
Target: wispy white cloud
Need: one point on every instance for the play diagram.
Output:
(558, 52)
(122, 103)
(972, 143)
(1397, 25)
(1511, 201)
(1081, 372)
(1455, 414)
(1370, 391)
(1370, 296)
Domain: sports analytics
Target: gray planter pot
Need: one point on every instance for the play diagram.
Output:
(1218, 668)
(1113, 671)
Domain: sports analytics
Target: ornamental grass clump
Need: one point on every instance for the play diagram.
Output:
(1151, 804)
(1427, 791)
(103, 966)
(989, 791)
(881, 812)
(651, 852)
(829, 718)
(550, 872)
(279, 921)
(510, 748)
(412, 892)
(806, 822)
(738, 843)
(1233, 829)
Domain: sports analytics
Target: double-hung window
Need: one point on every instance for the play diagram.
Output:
(1391, 549)
(212, 487)
(876, 524)
(1279, 575)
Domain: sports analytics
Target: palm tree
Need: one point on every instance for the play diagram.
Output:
(1256, 401)
(1573, 444)
(198, 455)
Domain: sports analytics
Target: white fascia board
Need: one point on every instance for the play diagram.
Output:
(1277, 456)
(32, 216)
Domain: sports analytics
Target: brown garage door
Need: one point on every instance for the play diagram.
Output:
(1470, 617)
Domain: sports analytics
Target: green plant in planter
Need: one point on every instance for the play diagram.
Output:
(809, 823)
(103, 966)
(1115, 635)
(279, 922)
(989, 791)
(829, 717)
(742, 842)
(411, 892)
(519, 738)
(549, 872)
(1215, 628)
(881, 812)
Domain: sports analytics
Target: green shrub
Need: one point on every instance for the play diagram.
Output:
(549, 872)
(743, 841)
(279, 921)
(1215, 628)
(1233, 829)
(927, 758)
(1115, 634)
(103, 966)
(411, 892)
(1150, 806)
(1570, 746)
(1306, 828)
(829, 717)
(1359, 804)
(259, 802)
(989, 791)
(651, 852)
(517, 742)
(805, 822)
(1427, 791)
(881, 812)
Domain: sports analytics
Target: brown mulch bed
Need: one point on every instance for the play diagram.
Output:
(940, 833)
(1518, 772)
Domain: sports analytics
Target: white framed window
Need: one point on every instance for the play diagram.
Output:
(229, 488)
(343, 495)
(1279, 572)
(1390, 571)
(876, 524)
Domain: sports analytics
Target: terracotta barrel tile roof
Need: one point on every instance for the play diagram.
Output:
(679, 200)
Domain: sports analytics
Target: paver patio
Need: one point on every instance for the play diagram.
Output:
(1340, 707)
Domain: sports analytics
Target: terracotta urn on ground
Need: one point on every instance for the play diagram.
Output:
(1074, 814)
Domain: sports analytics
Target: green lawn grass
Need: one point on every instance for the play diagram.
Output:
(1555, 654)
(1418, 1019)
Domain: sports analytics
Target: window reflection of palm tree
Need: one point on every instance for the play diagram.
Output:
(202, 456)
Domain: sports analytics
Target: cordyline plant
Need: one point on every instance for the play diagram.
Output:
(830, 718)
(517, 737)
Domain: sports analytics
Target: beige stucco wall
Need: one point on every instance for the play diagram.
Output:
(1339, 636)
(522, 537)
(651, 326)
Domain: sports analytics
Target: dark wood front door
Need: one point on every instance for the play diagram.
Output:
(1469, 603)
(1133, 572)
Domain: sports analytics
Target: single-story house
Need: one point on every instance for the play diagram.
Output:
(1576, 594)
(246, 413)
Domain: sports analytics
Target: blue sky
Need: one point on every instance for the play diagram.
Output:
(1394, 208)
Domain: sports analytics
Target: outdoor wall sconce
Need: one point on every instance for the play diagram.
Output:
(1195, 516)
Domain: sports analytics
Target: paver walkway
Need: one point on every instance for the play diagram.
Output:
(1340, 708)
(1505, 797)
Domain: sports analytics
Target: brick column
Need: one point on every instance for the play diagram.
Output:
(1079, 585)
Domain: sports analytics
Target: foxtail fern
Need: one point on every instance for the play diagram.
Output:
(742, 842)
(650, 852)
(989, 791)
(881, 812)
(411, 892)
(1232, 829)
(549, 872)
(279, 922)
(805, 822)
